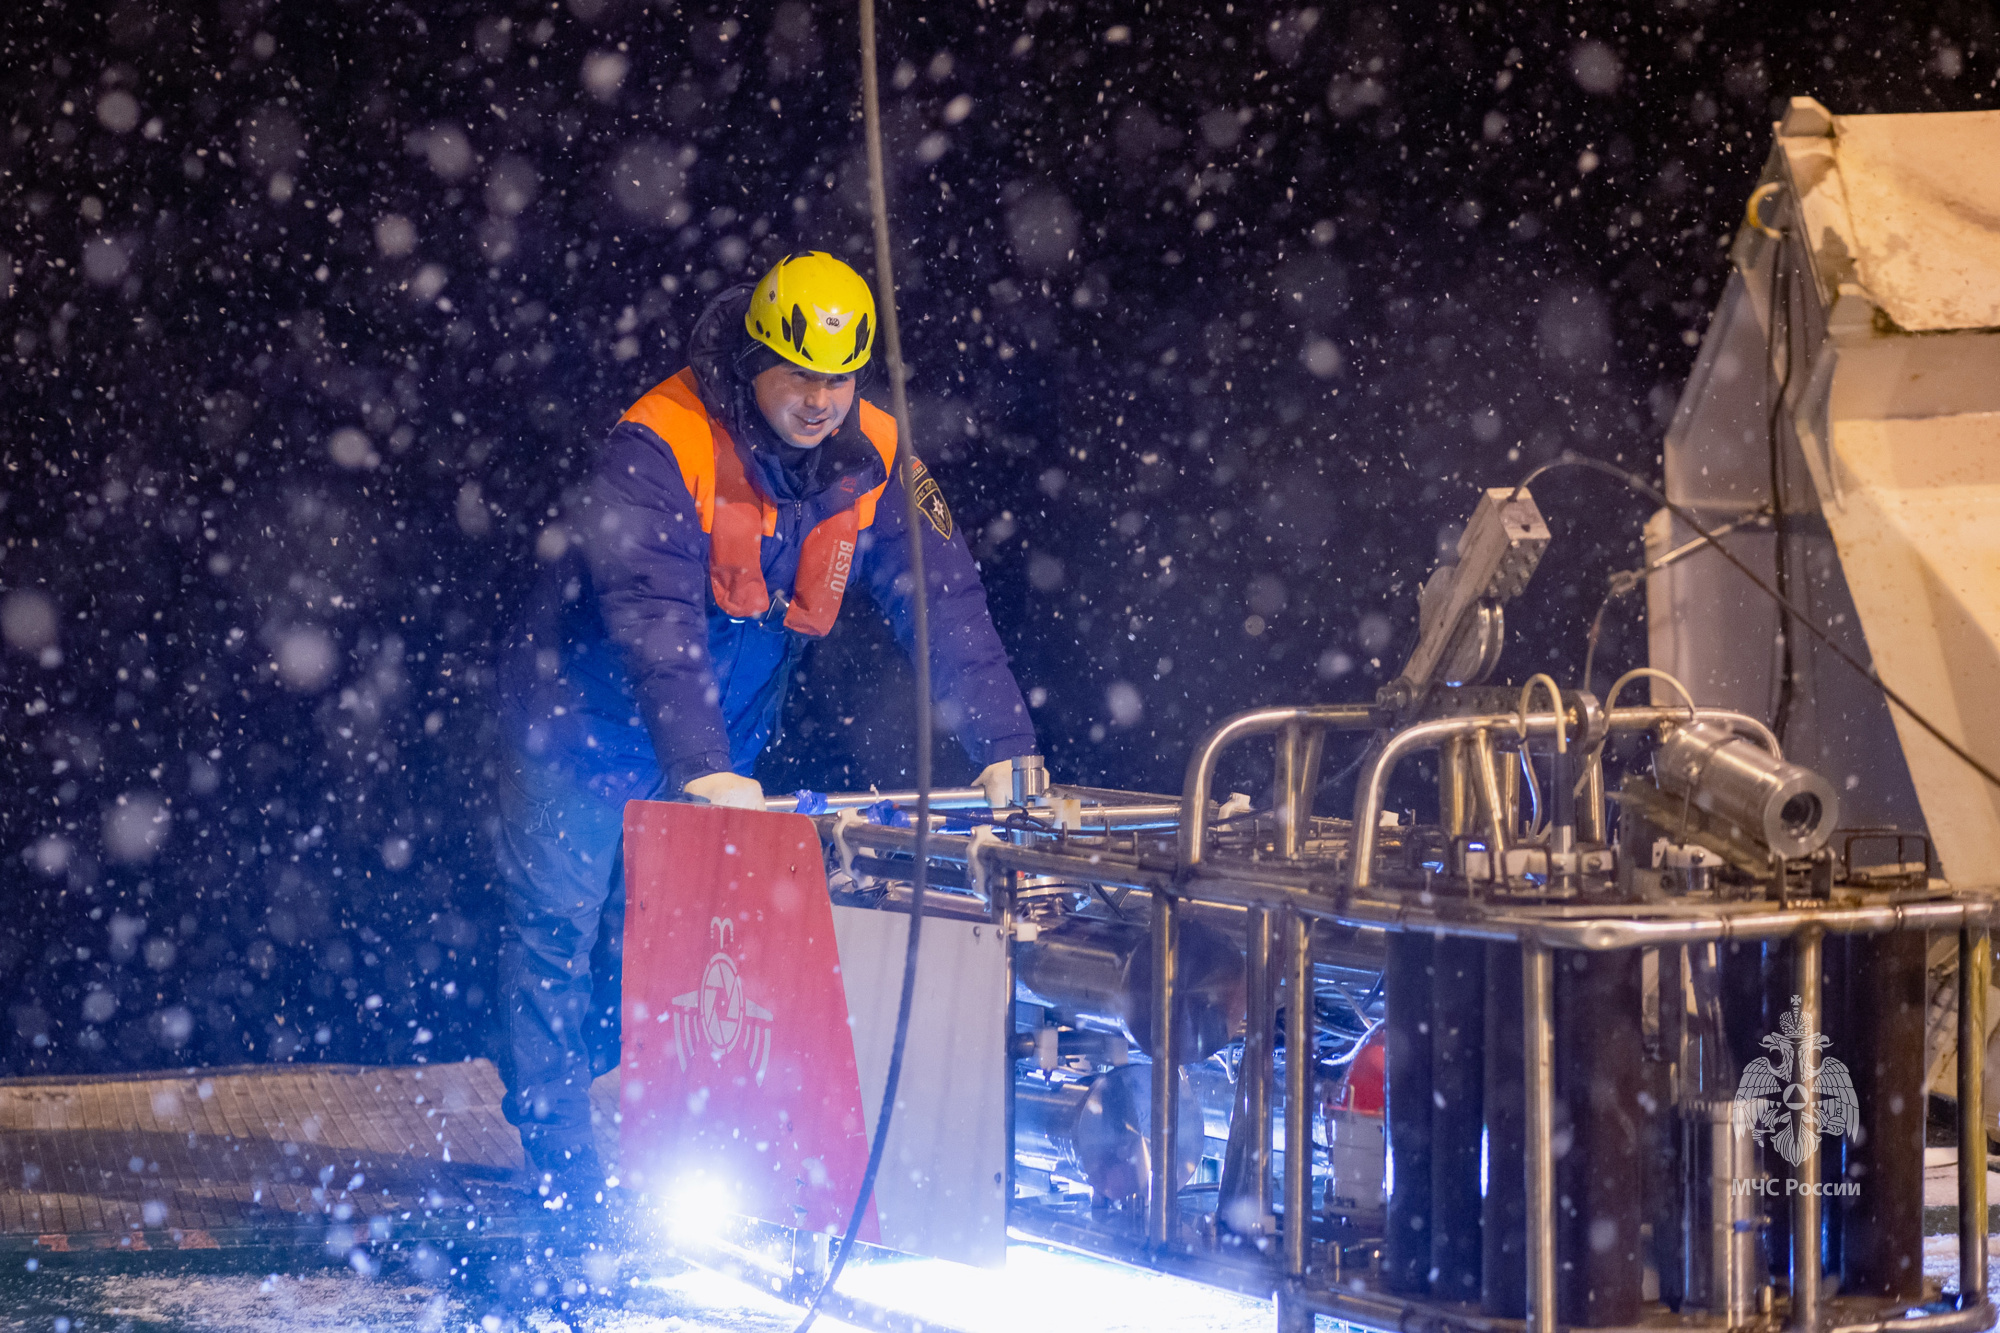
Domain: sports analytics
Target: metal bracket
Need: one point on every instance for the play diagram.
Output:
(1459, 617)
(976, 872)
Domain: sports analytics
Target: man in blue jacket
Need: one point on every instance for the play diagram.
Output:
(724, 519)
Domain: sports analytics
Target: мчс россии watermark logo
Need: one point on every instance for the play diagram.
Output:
(1796, 1100)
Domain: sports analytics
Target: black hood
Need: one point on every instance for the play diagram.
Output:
(725, 359)
(715, 348)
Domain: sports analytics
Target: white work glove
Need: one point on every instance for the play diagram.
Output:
(997, 781)
(728, 789)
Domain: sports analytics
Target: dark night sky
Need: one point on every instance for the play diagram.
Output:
(310, 313)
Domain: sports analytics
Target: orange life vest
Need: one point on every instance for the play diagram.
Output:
(737, 518)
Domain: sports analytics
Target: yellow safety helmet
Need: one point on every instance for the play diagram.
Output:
(815, 312)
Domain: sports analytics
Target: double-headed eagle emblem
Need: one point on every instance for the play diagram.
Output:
(1799, 1098)
(718, 1015)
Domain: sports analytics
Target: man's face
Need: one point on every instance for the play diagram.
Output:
(804, 406)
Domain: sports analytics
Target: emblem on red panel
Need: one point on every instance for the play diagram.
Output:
(719, 1015)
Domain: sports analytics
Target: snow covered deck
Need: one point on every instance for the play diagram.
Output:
(295, 1156)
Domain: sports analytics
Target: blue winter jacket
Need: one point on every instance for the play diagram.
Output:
(626, 625)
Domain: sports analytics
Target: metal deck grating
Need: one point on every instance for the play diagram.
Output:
(263, 1156)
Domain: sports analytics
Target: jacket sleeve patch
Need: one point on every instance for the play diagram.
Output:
(930, 499)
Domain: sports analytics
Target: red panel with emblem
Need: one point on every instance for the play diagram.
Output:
(739, 1082)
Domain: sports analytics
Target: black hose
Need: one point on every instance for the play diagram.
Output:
(920, 647)
(1781, 285)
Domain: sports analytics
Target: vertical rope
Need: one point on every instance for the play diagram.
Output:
(920, 648)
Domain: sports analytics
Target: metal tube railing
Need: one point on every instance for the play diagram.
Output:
(948, 798)
(1539, 1072)
(1298, 1094)
(1806, 1204)
(1260, 957)
(1109, 795)
(1499, 815)
(1163, 1198)
(1276, 886)
(1975, 961)
(1244, 1198)
(1294, 803)
(1590, 809)
(1256, 722)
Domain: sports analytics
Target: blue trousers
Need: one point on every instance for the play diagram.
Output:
(560, 842)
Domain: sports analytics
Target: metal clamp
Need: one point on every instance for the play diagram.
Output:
(977, 872)
(1031, 779)
(842, 822)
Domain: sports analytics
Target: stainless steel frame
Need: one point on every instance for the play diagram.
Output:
(1290, 888)
(1975, 962)
(1539, 1070)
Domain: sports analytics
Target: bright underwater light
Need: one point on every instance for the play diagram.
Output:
(697, 1206)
